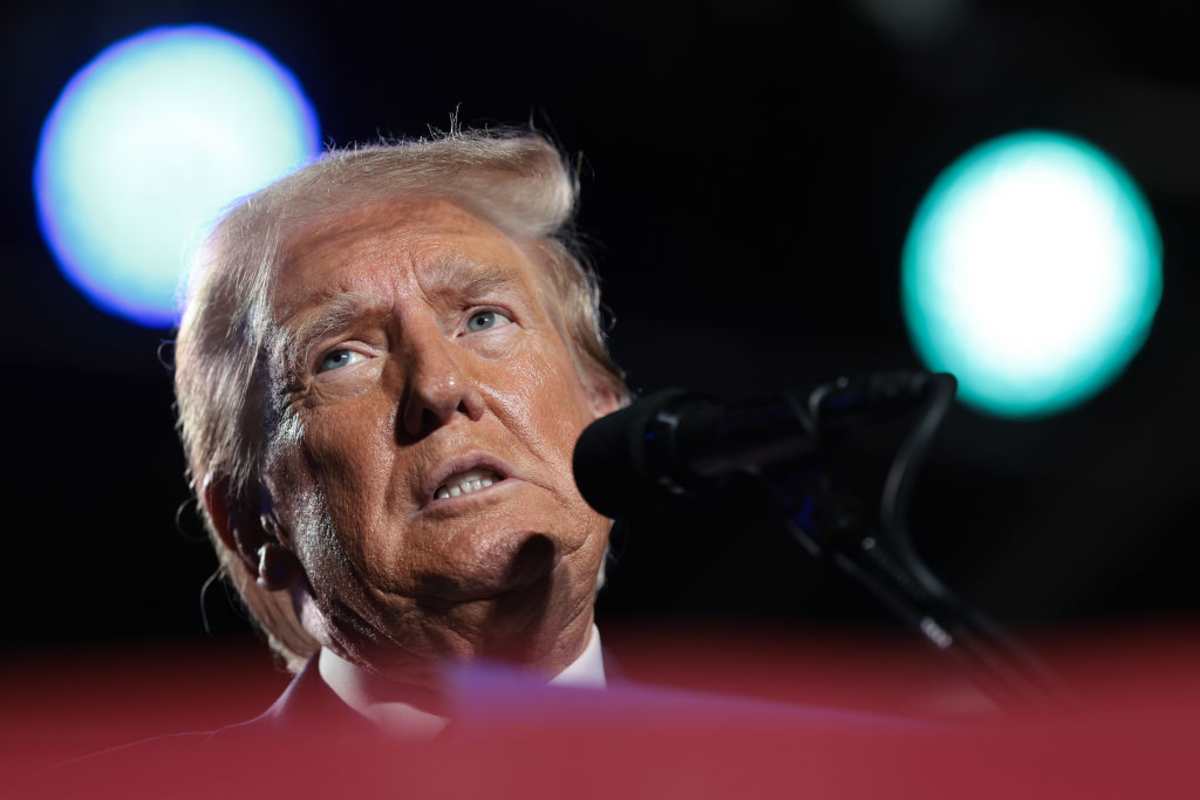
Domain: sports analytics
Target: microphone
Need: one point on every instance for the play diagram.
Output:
(675, 442)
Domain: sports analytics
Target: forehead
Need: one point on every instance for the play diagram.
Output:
(366, 248)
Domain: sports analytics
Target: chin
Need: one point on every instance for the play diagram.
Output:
(477, 565)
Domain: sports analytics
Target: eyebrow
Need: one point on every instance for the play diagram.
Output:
(335, 312)
(338, 310)
(455, 274)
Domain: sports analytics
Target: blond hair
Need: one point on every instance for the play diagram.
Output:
(517, 181)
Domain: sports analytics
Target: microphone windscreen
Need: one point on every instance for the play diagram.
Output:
(610, 457)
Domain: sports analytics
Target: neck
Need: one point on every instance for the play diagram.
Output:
(423, 707)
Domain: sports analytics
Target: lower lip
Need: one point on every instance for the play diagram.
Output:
(453, 505)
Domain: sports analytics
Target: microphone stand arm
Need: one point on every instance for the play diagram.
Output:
(999, 666)
(831, 525)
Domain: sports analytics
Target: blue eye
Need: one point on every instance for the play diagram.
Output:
(335, 359)
(483, 320)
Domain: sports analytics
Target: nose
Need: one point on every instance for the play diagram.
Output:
(438, 384)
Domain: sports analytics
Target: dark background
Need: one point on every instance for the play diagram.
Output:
(750, 169)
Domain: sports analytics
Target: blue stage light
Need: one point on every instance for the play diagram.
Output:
(146, 145)
(1032, 271)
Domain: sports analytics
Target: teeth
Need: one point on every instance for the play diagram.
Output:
(465, 483)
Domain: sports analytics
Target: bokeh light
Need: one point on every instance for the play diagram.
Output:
(1032, 271)
(146, 145)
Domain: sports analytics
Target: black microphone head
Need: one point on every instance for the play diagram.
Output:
(610, 456)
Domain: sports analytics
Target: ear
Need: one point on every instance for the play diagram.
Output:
(603, 399)
(252, 532)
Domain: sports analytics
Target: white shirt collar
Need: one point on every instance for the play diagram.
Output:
(587, 671)
(349, 682)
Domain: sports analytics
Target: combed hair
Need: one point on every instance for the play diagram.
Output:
(518, 181)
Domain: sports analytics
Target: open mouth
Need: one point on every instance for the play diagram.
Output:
(468, 482)
(468, 474)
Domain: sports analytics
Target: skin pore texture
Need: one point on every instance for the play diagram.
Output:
(413, 339)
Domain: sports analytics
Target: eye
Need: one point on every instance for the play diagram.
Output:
(336, 359)
(483, 320)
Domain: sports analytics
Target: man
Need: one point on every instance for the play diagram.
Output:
(383, 365)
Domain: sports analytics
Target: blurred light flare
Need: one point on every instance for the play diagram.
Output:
(146, 145)
(1032, 271)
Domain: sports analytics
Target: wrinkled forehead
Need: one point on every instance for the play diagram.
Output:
(362, 249)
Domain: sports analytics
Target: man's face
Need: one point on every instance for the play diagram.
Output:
(423, 363)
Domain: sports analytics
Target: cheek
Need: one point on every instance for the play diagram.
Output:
(545, 395)
(552, 408)
(347, 452)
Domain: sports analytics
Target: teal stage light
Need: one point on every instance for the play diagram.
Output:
(1032, 271)
(146, 145)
